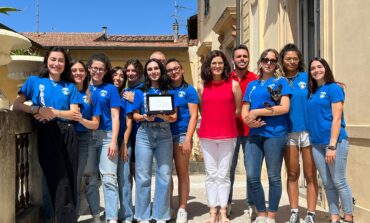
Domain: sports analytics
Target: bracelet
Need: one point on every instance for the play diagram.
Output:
(331, 147)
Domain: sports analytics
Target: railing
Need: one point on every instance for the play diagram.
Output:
(22, 172)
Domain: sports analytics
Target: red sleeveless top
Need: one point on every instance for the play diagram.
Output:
(218, 111)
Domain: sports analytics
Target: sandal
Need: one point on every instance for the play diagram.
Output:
(213, 217)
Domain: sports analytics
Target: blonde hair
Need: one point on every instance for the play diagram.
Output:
(278, 73)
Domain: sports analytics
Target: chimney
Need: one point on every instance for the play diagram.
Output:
(104, 30)
(175, 28)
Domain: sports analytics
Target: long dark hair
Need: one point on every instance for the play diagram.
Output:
(85, 84)
(101, 57)
(163, 80)
(183, 83)
(206, 73)
(328, 76)
(138, 67)
(113, 71)
(66, 74)
(288, 48)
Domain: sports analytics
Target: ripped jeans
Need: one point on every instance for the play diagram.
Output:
(108, 171)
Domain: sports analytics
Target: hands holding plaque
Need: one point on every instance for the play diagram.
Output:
(159, 104)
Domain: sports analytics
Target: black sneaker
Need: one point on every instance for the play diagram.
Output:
(294, 217)
(310, 218)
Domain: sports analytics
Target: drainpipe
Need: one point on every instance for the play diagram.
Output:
(238, 21)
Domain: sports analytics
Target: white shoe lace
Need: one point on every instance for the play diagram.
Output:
(309, 219)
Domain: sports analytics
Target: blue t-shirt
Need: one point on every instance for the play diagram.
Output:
(108, 98)
(298, 102)
(45, 92)
(87, 109)
(256, 95)
(320, 116)
(184, 96)
(129, 109)
(140, 102)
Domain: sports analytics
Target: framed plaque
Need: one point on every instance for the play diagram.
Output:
(159, 104)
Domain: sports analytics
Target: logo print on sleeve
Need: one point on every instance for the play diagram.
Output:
(103, 93)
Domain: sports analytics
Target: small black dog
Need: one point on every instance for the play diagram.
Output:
(275, 96)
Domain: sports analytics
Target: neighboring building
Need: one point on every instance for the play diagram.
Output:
(334, 30)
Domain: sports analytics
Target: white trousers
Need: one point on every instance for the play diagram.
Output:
(218, 155)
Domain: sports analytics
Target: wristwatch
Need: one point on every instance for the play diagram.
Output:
(34, 109)
(331, 147)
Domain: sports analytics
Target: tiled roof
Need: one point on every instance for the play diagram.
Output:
(86, 40)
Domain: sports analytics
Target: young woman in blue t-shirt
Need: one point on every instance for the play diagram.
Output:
(266, 141)
(54, 103)
(106, 136)
(298, 136)
(182, 132)
(328, 137)
(153, 140)
(133, 71)
(88, 119)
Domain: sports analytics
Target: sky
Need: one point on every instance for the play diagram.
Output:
(127, 17)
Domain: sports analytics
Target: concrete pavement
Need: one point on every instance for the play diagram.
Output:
(198, 210)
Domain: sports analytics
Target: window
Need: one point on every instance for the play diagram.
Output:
(206, 7)
(309, 31)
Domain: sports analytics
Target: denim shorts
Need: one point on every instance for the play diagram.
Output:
(300, 139)
(179, 138)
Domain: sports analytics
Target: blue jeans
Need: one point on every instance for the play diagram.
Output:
(272, 149)
(240, 142)
(108, 171)
(334, 177)
(88, 171)
(126, 211)
(153, 140)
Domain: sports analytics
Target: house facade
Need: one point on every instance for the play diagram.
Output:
(334, 30)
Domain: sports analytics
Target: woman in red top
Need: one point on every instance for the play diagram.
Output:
(220, 100)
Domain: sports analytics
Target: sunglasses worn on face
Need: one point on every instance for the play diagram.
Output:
(267, 60)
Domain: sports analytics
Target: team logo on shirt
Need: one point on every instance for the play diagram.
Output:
(302, 85)
(103, 93)
(272, 86)
(65, 91)
(181, 94)
(84, 98)
(322, 94)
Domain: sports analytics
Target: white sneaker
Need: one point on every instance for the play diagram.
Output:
(161, 221)
(112, 221)
(260, 220)
(182, 216)
(128, 221)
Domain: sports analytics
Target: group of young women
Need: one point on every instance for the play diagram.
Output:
(89, 123)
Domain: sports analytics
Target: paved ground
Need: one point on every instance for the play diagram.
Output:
(198, 210)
